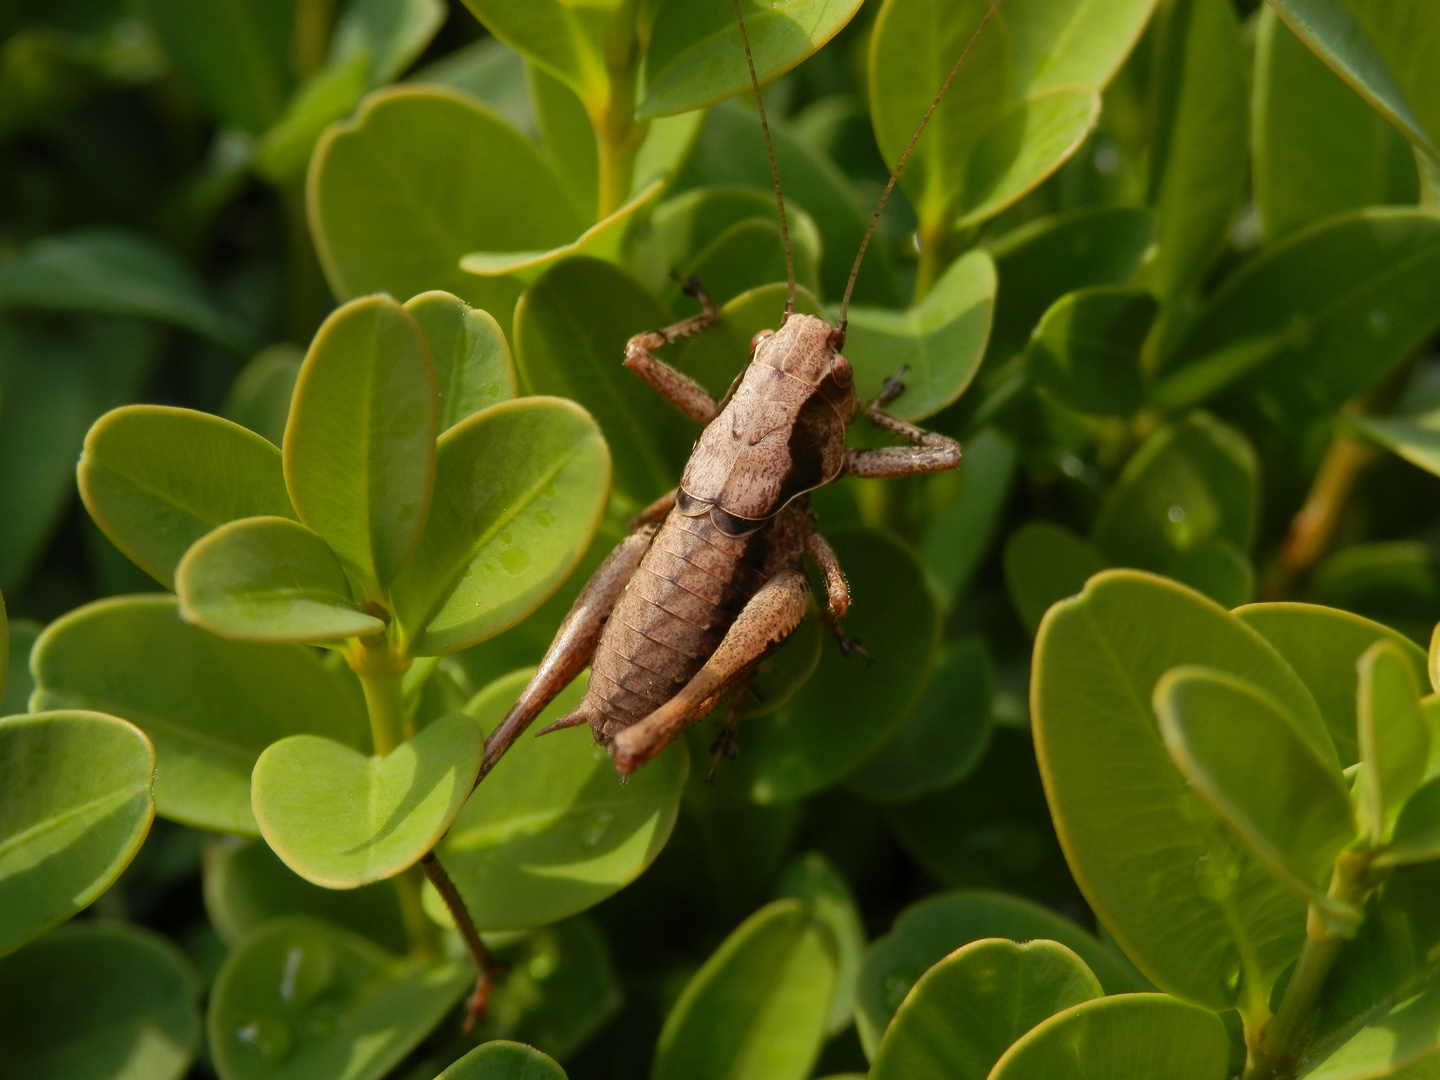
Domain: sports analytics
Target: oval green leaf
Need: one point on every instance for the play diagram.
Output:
(98, 1001)
(1132, 833)
(967, 1009)
(519, 491)
(156, 479)
(1246, 758)
(473, 369)
(501, 1060)
(1086, 350)
(441, 197)
(1129, 1037)
(340, 819)
(1394, 738)
(300, 999)
(813, 879)
(695, 56)
(551, 831)
(926, 932)
(360, 443)
(210, 708)
(269, 579)
(1045, 563)
(1406, 1035)
(756, 1009)
(259, 398)
(1417, 832)
(75, 806)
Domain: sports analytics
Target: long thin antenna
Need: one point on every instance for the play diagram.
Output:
(774, 172)
(875, 217)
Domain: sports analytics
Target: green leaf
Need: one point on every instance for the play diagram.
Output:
(19, 684)
(844, 713)
(1130, 1037)
(1387, 1046)
(75, 805)
(552, 831)
(1200, 155)
(1415, 437)
(1236, 746)
(1045, 563)
(1396, 582)
(1305, 121)
(756, 1009)
(269, 579)
(259, 398)
(695, 56)
(504, 1061)
(729, 149)
(519, 490)
(4, 649)
(813, 879)
(1023, 102)
(1394, 735)
(1417, 831)
(928, 931)
(565, 40)
(1133, 834)
(1192, 487)
(746, 256)
(210, 708)
(571, 327)
(1379, 49)
(156, 479)
(473, 368)
(236, 56)
(491, 72)
(283, 152)
(945, 735)
(1323, 314)
(1040, 262)
(246, 884)
(341, 819)
(96, 1001)
(1086, 349)
(300, 999)
(360, 444)
(115, 272)
(958, 537)
(1323, 645)
(559, 989)
(967, 1009)
(940, 340)
(567, 138)
(401, 192)
(388, 34)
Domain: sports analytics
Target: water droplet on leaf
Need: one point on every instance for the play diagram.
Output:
(597, 827)
(268, 1037)
(515, 560)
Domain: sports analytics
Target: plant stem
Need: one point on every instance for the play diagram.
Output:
(484, 961)
(419, 930)
(313, 19)
(934, 237)
(1313, 529)
(380, 671)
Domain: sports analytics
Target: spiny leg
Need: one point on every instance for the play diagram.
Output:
(931, 452)
(724, 747)
(574, 643)
(771, 616)
(679, 389)
(838, 589)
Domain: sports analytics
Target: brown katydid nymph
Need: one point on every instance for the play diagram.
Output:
(709, 581)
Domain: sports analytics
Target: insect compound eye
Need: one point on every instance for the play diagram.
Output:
(840, 371)
(758, 338)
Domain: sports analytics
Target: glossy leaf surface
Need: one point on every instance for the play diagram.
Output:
(813, 879)
(967, 1009)
(300, 999)
(269, 579)
(551, 831)
(210, 709)
(519, 489)
(1086, 349)
(473, 368)
(504, 1061)
(97, 1001)
(360, 443)
(75, 806)
(340, 819)
(756, 1009)
(153, 502)
(1395, 737)
(1131, 832)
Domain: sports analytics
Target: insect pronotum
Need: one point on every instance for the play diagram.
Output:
(709, 582)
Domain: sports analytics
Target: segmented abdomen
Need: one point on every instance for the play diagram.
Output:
(683, 596)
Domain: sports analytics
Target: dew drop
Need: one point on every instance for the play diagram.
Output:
(1378, 324)
(597, 827)
(492, 391)
(268, 1038)
(506, 538)
(515, 560)
(544, 518)
(307, 971)
(1217, 873)
(1176, 514)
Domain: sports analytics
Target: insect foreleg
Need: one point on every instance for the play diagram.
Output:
(680, 390)
(771, 616)
(574, 643)
(931, 452)
(836, 587)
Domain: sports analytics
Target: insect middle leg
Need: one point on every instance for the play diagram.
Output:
(679, 389)
(930, 452)
(770, 616)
